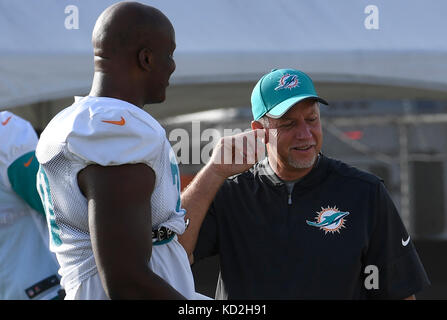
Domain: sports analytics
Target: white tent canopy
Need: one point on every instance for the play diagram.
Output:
(43, 55)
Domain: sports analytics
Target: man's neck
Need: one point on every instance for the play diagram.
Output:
(104, 86)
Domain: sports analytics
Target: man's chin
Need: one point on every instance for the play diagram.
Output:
(302, 163)
(157, 100)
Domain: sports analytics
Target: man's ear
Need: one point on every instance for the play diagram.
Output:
(145, 59)
(258, 125)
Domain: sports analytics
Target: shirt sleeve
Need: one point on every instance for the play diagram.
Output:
(400, 271)
(114, 137)
(22, 175)
(18, 164)
(207, 242)
(18, 138)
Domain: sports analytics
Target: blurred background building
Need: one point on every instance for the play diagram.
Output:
(381, 64)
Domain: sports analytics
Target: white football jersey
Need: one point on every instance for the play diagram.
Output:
(25, 259)
(17, 138)
(108, 132)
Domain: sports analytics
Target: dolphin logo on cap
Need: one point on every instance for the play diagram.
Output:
(288, 81)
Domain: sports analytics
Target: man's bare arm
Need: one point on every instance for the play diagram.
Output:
(199, 194)
(120, 223)
(196, 199)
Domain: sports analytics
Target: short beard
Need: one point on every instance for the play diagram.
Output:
(301, 164)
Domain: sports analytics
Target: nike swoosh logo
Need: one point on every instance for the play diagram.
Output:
(404, 243)
(121, 122)
(26, 164)
(6, 121)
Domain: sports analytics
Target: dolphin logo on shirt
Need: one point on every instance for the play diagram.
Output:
(330, 220)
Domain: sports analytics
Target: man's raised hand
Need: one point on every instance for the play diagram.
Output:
(238, 153)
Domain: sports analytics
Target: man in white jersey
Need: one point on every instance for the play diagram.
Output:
(28, 270)
(108, 177)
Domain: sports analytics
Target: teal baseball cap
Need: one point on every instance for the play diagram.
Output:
(280, 89)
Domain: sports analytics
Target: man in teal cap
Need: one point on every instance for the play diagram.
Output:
(297, 224)
(273, 96)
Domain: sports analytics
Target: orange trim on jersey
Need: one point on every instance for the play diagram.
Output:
(118, 123)
(26, 164)
(6, 121)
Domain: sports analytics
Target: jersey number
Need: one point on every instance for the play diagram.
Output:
(175, 178)
(45, 196)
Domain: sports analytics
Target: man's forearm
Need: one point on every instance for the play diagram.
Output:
(198, 196)
(132, 285)
(196, 200)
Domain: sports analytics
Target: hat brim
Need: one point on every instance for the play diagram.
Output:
(280, 109)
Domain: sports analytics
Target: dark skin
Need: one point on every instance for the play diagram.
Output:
(133, 46)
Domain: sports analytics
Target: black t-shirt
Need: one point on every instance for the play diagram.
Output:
(338, 235)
